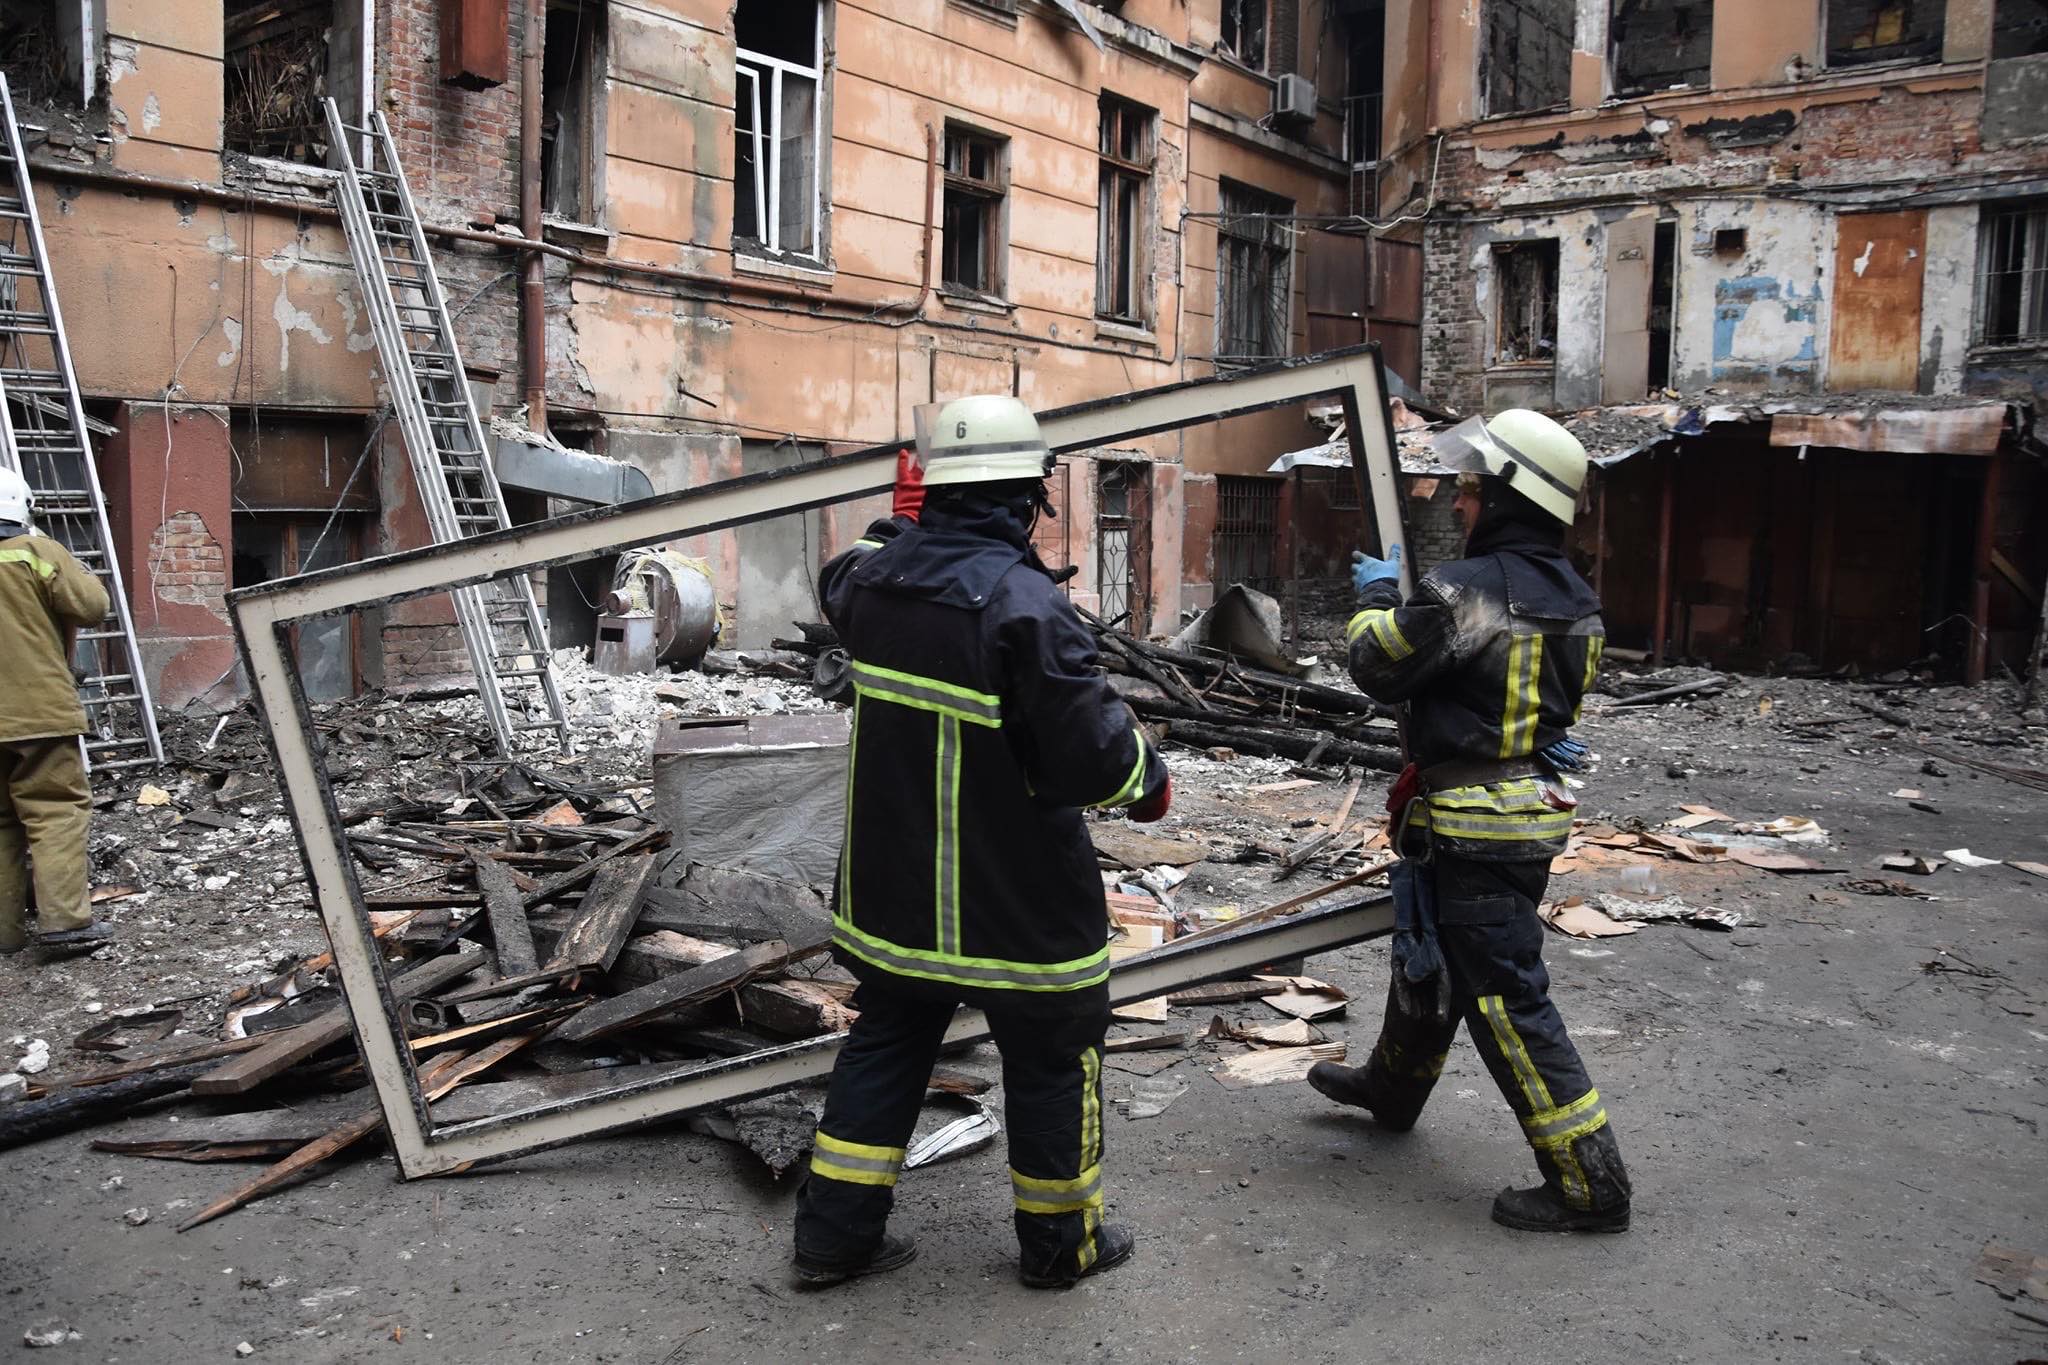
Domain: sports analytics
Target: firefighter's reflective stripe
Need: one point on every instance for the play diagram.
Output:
(846, 832)
(927, 694)
(43, 568)
(1505, 810)
(1536, 1092)
(1518, 714)
(1595, 646)
(857, 1163)
(1566, 1124)
(1386, 632)
(946, 856)
(1134, 785)
(959, 970)
(865, 544)
(1081, 1194)
(1091, 1152)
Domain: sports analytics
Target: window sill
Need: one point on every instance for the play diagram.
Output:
(584, 236)
(1005, 15)
(744, 264)
(975, 303)
(1518, 369)
(1108, 329)
(2004, 350)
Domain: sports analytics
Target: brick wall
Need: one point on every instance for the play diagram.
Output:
(187, 564)
(1434, 533)
(1453, 332)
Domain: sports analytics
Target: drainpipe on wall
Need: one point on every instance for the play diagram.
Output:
(532, 293)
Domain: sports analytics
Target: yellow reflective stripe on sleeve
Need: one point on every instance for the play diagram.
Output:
(865, 544)
(856, 1163)
(1133, 784)
(1518, 714)
(1596, 645)
(42, 568)
(1356, 628)
(1386, 632)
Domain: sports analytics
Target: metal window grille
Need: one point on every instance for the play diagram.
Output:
(1253, 252)
(1243, 33)
(777, 128)
(1121, 220)
(2015, 271)
(976, 184)
(1247, 531)
(1113, 533)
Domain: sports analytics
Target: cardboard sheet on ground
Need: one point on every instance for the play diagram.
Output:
(1137, 849)
(1670, 908)
(1778, 862)
(2037, 869)
(1293, 1033)
(1155, 1093)
(1271, 1066)
(1695, 816)
(1153, 1011)
(1914, 863)
(1793, 829)
(1580, 920)
(1304, 997)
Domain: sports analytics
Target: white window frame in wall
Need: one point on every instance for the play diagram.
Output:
(768, 204)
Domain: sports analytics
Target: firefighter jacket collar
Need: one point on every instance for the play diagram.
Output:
(1540, 579)
(955, 555)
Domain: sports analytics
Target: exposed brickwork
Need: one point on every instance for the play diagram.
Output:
(1434, 532)
(188, 565)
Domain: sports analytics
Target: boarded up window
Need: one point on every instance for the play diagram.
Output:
(2019, 28)
(1525, 285)
(2015, 275)
(1659, 44)
(1528, 58)
(1865, 31)
(1254, 290)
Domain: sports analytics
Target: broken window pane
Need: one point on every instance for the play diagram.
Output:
(1528, 58)
(777, 127)
(1864, 31)
(2015, 291)
(1254, 293)
(2019, 28)
(274, 77)
(1121, 224)
(1659, 44)
(566, 111)
(1525, 283)
(1244, 32)
(42, 48)
(975, 188)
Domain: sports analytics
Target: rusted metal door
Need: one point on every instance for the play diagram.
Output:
(1880, 261)
(1625, 352)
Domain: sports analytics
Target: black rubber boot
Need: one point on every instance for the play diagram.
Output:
(1349, 1085)
(63, 942)
(1114, 1244)
(893, 1254)
(1543, 1209)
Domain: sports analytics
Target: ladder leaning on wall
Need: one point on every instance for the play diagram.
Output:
(444, 437)
(44, 438)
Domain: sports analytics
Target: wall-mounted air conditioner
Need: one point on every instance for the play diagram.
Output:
(1294, 99)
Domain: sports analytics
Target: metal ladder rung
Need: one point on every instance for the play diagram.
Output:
(117, 699)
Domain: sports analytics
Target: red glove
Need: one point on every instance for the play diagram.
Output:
(909, 499)
(1151, 808)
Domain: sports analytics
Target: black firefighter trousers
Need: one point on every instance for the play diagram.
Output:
(1492, 944)
(1052, 1088)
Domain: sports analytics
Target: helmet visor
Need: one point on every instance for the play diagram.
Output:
(1469, 448)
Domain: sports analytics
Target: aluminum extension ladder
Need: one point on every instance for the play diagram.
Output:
(43, 437)
(501, 626)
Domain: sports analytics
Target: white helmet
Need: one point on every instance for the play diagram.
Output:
(14, 498)
(1538, 458)
(990, 438)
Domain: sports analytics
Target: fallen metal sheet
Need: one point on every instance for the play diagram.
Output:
(266, 616)
(961, 1137)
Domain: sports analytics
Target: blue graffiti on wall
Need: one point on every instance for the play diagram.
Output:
(1752, 299)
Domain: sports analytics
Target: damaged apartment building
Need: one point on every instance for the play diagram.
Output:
(1788, 261)
(683, 241)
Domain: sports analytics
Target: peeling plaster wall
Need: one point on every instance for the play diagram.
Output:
(1948, 298)
(1756, 320)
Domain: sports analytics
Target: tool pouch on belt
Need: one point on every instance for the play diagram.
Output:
(1422, 988)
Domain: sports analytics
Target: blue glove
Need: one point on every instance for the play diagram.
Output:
(1365, 569)
(1567, 755)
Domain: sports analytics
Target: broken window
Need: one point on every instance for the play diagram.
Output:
(1119, 501)
(2015, 275)
(568, 102)
(1247, 529)
(49, 50)
(1528, 57)
(2019, 28)
(1865, 31)
(281, 60)
(1254, 294)
(1121, 218)
(977, 182)
(778, 124)
(1244, 32)
(1365, 80)
(1659, 44)
(1525, 283)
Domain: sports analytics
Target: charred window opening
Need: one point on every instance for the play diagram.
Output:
(1864, 31)
(1659, 44)
(977, 185)
(2014, 270)
(1525, 283)
(44, 50)
(1528, 58)
(1663, 295)
(1244, 32)
(1247, 528)
(2019, 28)
(1254, 314)
(568, 111)
(282, 60)
(1365, 79)
(777, 123)
(1122, 221)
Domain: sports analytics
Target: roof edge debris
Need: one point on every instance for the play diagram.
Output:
(1906, 424)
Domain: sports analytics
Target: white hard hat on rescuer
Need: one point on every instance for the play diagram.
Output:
(14, 499)
(990, 438)
(1538, 458)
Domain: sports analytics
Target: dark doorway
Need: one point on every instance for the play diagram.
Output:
(1663, 301)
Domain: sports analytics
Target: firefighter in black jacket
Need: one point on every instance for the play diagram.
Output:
(981, 731)
(1491, 656)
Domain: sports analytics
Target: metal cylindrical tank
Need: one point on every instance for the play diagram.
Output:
(677, 592)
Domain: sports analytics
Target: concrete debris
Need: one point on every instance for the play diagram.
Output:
(1962, 857)
(1669, 908)
(50, 1334)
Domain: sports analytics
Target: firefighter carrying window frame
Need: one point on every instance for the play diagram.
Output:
(1490, 657)
(981, 731)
